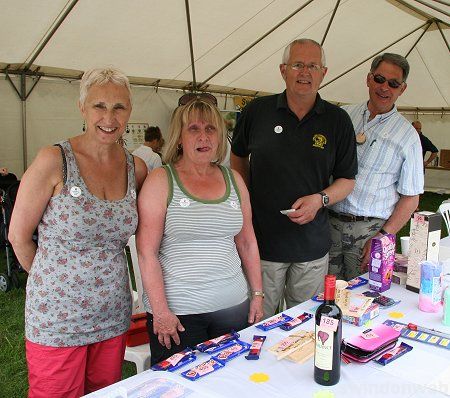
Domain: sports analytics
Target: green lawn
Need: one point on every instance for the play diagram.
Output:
(13, 372)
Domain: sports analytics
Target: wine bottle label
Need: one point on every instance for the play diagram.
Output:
(328, 323)
(323, 357)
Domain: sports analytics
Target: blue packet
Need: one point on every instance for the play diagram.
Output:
(205, 368)
(274, 322)
(237, 348)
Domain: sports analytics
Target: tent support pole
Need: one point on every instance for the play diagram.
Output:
(433, 8)
(329, 23)
(417, 41)
(255, 43)
(442, 34)
(50, 34)
(191, 44)
(371, 56)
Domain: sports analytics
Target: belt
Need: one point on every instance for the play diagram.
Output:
(348, 217)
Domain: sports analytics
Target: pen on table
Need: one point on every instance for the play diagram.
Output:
(412, 326)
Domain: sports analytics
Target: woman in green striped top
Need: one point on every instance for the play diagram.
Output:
(197, 249)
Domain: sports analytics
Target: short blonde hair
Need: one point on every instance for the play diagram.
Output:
(101, 76)
(182, 115)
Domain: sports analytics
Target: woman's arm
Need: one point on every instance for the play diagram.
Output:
(152, 207)
(248, 252)
(41, 180)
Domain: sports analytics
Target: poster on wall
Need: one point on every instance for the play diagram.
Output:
(133, 136)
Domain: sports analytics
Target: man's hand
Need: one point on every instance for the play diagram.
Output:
(364, 265)
(306, 208)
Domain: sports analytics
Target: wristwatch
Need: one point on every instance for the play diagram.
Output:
(325, 199)
(258, 293)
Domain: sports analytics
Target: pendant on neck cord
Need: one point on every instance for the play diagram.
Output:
(360, 138)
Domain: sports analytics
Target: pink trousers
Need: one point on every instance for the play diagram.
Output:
(70, 372)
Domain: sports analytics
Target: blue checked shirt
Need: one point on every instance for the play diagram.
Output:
(389, 163)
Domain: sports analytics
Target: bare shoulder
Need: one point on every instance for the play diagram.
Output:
(48, 163)
(238, 178)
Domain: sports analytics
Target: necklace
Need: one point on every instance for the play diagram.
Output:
(361, 136)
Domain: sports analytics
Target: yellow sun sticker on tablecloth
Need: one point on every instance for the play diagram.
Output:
(323, 394)
(396, 315)
(259, 377)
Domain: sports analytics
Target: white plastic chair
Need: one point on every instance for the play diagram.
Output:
(140, 354)
(444, 209)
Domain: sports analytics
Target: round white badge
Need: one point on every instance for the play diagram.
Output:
(184, 202)
(278, 129)
(75, 191)
(234, 204)
(133, 193)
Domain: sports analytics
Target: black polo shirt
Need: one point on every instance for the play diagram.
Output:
(291, 158)
(427, 145)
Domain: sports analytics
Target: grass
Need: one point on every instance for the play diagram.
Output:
(13, 371)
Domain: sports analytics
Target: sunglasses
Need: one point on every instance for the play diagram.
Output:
(189, 97)
(380, 79)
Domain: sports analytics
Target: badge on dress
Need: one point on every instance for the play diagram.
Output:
(278, 129)
(75, 191)
(234, 204)
(184, 202)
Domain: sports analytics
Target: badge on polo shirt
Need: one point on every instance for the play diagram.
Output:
(278, 129)
(319, 141)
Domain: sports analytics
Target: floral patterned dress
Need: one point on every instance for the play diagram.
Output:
(77, 290)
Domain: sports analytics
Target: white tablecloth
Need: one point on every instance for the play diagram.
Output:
(423, 372)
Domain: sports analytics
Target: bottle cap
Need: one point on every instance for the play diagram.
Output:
(330, 287)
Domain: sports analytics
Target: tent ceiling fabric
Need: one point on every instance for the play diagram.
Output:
(148, 40)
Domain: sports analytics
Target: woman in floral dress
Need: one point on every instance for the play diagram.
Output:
(81, 194)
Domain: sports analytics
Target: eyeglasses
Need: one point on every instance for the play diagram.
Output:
(189, 97)
(301, 65)
(380, 79)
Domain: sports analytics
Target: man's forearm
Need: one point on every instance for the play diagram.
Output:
(431, 158)
(241, 165)
(339, 189)
(402, 213)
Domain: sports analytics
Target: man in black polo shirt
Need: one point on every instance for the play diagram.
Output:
(297, 142)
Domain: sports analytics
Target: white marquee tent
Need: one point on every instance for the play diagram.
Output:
(227, 47)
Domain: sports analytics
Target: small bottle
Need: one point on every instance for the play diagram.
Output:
(327, 352)
(430, 294)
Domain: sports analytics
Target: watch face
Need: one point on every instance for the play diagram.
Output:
(325, 200)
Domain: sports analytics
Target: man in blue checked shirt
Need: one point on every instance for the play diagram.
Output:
(390, 170)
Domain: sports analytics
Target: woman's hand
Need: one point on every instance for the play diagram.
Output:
(166, 325)
(256, 312)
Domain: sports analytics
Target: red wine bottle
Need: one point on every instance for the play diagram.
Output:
(327, 352)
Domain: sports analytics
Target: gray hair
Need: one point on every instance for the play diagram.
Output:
(394, 59)
(101, 76)
(287, 50)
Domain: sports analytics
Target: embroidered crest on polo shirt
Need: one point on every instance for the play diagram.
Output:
(319, 141)
(278, 129)
(184, 202)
